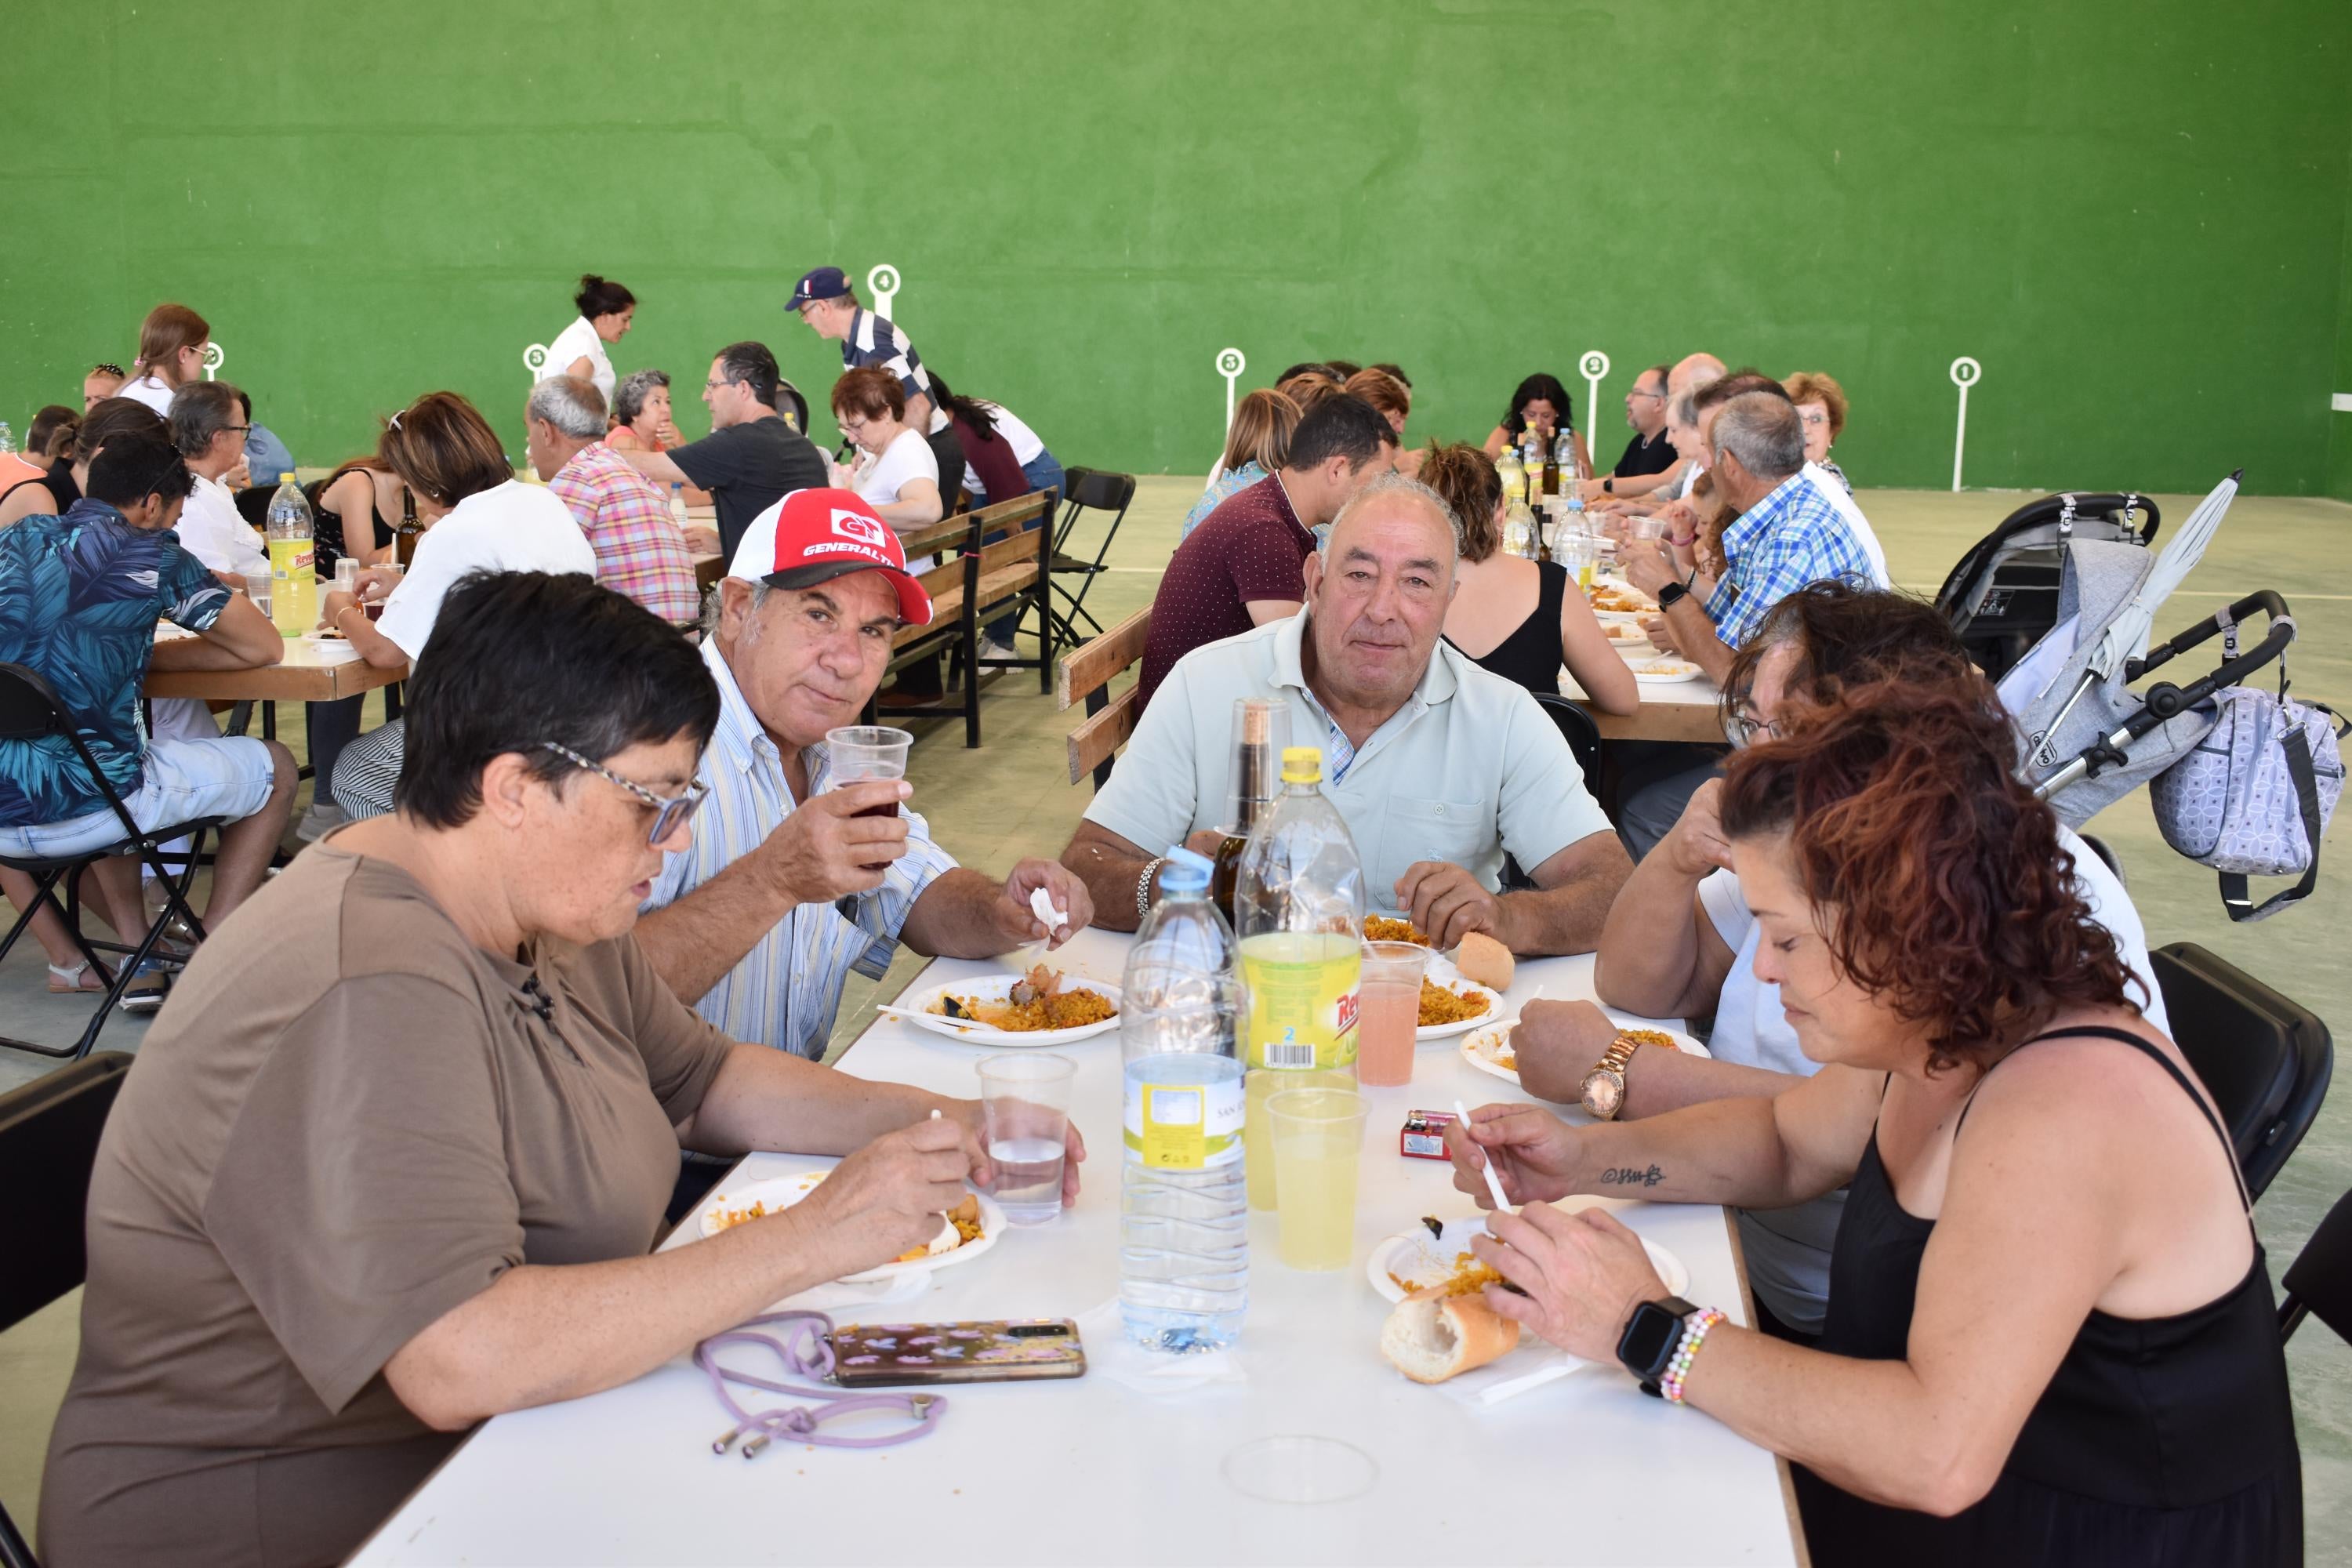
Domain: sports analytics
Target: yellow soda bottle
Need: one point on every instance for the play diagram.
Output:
(293, 562)
(1298, 912)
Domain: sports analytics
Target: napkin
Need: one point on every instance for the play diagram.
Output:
(1111, 1354)
(1533, 1365)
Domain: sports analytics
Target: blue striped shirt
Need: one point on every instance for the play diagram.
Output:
(876, 340)
(1793, 536)
(787, 989)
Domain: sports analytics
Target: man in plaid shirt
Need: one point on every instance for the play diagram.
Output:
(640, 550)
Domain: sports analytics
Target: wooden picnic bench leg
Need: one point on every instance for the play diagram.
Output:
(971, 644)
(1042, 595)
(1097, 701)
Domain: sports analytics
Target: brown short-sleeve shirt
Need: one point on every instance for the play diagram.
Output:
(1252, 547)
(347, 1121)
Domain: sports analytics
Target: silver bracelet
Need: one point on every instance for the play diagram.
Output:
(1143, 888)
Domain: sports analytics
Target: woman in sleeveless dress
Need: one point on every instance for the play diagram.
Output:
(2051, 1338)
(1514, 617)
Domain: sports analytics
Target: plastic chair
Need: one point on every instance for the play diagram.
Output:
(1582, 734)
(30, 709)
(2107, 854)
(2265, 1058)
(1087, 489)
(2319, 1281)
(49, 1141)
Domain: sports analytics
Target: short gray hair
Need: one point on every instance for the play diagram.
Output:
(1393, 484)
(570, 403)
(200, 412)
(1763, 431)
(629, 397)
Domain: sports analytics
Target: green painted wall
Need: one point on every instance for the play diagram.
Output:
(2133, 211)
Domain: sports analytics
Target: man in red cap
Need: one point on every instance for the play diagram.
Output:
(789, 886)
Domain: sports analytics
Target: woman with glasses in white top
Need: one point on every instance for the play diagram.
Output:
(896, 472)
(172, 342)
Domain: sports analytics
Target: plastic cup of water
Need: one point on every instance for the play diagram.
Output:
(1319, 1141)
(1026, 1099)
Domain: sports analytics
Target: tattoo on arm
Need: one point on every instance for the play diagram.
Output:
(1627, 1176)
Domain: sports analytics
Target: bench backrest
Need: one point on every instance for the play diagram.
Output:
(1084, 675)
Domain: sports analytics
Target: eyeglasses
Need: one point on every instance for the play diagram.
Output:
(1744, 726)
(236, 429)
(715, 385)
(1660, 395)
(670, 813)
(1814, 418)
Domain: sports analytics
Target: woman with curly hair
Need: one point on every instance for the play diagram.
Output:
(2050, 1336)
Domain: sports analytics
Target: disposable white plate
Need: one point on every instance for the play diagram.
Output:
(995, 988)
(1424, 1259)
(1667, 672)
(331, 650)
(780, 1193)
(1442, 972)
(1481, 1048)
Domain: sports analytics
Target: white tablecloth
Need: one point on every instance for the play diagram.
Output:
(1585, 1470)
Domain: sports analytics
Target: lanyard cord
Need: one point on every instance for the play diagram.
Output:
(807, 1350)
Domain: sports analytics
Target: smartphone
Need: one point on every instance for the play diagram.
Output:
(889, 1355)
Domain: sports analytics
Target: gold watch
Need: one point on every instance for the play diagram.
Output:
(1604, 1086)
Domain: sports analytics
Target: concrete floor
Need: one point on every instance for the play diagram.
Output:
(1011, 799)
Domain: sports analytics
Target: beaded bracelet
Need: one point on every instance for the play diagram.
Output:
(1694, 1335)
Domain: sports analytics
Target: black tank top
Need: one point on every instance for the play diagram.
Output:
(2158, 1441)
(1530, 655)
(327, 533)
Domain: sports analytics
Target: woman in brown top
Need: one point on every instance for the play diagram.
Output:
(391, 1158)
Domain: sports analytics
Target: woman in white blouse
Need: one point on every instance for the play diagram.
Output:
(605, 309)
(171, 355)
(896, 472)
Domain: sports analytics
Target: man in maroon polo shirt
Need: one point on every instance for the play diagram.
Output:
(1245, 564)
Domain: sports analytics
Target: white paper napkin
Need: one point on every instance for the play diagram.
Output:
(1111, 1353)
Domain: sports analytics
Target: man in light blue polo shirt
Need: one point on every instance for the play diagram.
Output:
(788, 884)
(1439, 768)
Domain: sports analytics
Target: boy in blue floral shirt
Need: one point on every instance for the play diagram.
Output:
(81, 596)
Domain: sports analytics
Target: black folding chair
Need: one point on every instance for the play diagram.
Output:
(31, 709)
(2319, 1281)
(1577, 728)
(49, 1140)
(1085, 490)
(2265, 1058)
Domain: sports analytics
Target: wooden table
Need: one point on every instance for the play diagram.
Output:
(305, 676)
(1097, 1472)
(1685, 711)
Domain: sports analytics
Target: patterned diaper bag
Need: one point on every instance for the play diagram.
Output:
(2256, 796)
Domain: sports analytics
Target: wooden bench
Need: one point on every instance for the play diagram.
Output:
(973, 586)
(1084, 674)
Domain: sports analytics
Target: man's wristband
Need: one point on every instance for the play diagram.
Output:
(1143, 888)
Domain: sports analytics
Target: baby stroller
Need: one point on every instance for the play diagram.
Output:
(2002, 595)
(2087, 738)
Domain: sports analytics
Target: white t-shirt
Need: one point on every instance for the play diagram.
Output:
(513, 527)
(880, 477)
(211, 530)
(574, 342)
(1838, 496)
(1026, 446)
(1788, 1250)
(151, 390)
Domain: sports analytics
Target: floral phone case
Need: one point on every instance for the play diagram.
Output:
(882, 1355)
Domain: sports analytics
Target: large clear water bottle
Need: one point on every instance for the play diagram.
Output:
(1183, 1234)
(293, 562)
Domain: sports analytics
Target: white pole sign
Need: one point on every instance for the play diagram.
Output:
(884, 281)
(214, 359)
(1965, 374)
(1595, 366)
(1230, 364)
(534, 360)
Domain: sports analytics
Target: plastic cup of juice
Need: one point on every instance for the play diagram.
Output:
(1318, 1141)
(1260, 1084)
(1388, 1011)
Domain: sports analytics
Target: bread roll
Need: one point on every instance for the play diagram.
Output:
(1431, 1336)
(1483, 959)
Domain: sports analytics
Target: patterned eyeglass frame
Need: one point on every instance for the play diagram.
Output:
(670, 812)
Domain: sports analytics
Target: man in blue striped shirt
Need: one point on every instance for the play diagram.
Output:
(789, 885)
(828, 303)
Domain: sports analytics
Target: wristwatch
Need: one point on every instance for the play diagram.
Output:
(1604, 1086)
(1609, 483)
(1672, 594)
(1646, 1348)
(1143, 888)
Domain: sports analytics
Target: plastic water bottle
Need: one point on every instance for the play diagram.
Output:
(293, 562)
(678, 506)
(1183, 1232)
(7, 438)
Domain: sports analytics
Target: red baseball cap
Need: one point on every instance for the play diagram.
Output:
(814, 536)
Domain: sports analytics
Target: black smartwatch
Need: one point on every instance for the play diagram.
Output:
(1672, 594)
(1647, 1346)
(1609, 483)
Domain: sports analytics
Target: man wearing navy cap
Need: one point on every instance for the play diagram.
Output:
(787, 885)
(825, 299)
